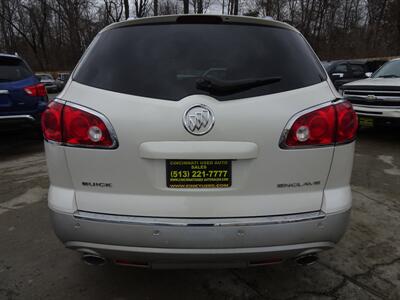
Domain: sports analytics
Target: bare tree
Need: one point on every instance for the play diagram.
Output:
(114, 9)
(185, 6)
(169, 7)
(233, 7)
(236, 7)
(155, 7)
(335, 28)
(141, 8)
(200, 6)
(126, 9)
(15, 18)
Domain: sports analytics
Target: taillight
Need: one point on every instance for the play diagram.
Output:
(329, 125)
(347, 122)
(38, 90)
(81, 127)
(51, 122)
(77, 126)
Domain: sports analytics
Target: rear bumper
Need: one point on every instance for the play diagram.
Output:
(24, 116)
(7, 122)
(190, 242)
(19, 121)
(27, 117)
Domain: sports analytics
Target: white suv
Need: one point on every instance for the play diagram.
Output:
(199, 140)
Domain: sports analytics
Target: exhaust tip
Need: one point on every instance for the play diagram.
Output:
(307, 259)
(93, 260)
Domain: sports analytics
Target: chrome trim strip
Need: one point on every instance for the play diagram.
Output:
(380, 107)
(377, 97)
(60, 101)
(197, 222)
(18, 117)
(371, 91)
(372, 113)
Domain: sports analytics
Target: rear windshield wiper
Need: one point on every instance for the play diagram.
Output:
(226, 87)
(389, 76)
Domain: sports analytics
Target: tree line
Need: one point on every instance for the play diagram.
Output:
(53, 34)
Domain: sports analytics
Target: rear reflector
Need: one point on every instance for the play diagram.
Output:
(332, 124)
(73, 125)
(38, 90)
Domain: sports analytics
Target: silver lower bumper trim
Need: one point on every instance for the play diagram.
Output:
(199, 222)
(146, 240)
(17, 117)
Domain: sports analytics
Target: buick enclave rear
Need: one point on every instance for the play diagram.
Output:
(187, 141)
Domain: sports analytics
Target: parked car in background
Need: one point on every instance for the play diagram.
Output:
(22, 96)
(48, 81)
(377, 99)
(373, 64)
(61, 80)
(177, 158)
(345, 71)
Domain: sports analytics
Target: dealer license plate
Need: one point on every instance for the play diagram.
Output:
(194, 174)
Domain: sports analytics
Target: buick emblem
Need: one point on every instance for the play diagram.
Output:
(198, 119)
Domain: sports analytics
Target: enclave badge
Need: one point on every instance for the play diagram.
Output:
(198, 119)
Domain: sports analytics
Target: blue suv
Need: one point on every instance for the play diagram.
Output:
(22, 96)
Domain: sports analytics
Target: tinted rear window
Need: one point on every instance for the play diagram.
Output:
(165, 61)
(13, 69)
